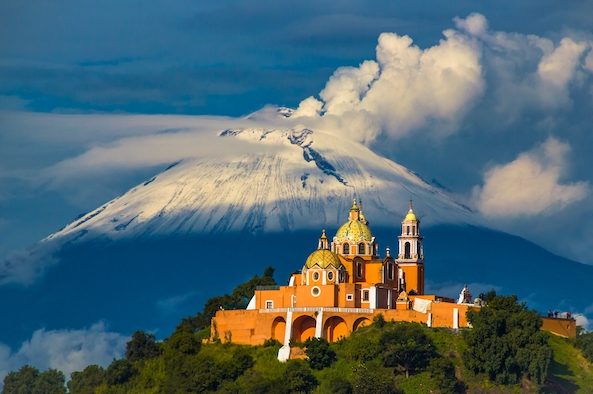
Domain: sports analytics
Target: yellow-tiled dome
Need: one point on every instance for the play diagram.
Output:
(323, 258)
(354, 230)
(411, 215)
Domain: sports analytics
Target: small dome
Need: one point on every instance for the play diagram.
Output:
(323, 258)
(411, 215)
(354, 231)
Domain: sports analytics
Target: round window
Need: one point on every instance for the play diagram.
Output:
(315, 291)
(315, 276)
(330, 275)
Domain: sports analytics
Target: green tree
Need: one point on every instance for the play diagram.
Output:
(362, 347)
(442, 374)
(339, 385)
(319, 353)
(298, 378)
(119, 372)
(373, 381)
(86, 381)
(20, 382)
(234, 367)
(194, 323)
(584, 341)
(379, 320)
(28, 380)
(142, 346)
(50, 382)
(184, 341)
(406, 346)
(506, 342)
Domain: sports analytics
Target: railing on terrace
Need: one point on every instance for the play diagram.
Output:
(273, 287)
(317, 309)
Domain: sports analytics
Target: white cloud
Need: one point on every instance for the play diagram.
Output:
(65, 350)
(583, 321)
(558, 67)
(408, 88)
(405, 89)
(529, 184)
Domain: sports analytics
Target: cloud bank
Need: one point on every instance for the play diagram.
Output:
(529, 184)
(65, 350)
(404, 89)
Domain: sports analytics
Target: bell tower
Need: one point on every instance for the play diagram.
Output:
(410, 258)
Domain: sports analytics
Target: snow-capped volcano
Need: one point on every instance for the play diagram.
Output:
(300, 179)
(209, 222)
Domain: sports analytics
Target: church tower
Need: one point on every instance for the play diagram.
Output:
(410, 258)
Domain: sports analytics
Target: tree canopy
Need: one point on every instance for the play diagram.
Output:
(506, 342)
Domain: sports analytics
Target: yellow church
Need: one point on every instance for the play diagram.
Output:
(342, 286)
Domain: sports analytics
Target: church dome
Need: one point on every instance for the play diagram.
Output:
(323, 258)
(354, 231)
(410, 216)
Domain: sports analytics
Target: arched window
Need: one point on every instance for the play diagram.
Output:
(407, 250)
(390, 271)
(346, 249)
(360, 248)
(359, 269)
(408, 231)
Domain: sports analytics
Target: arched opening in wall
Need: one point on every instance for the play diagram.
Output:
(346, 249)
(360, 322)
(334, 329)
(408, 231)
(279, 329)
(360, 248)
(390, 270)
(303, 328)
(407, 250)
(359, 269)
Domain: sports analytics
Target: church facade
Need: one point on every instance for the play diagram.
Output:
(342, 286)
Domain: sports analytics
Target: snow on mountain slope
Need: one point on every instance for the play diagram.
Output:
(302, 179)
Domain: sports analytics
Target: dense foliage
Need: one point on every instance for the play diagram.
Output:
(584, 341)
(142, 346)
(28, 380)
(406, 346)
(506, 343)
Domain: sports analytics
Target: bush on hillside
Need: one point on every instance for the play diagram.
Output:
(319, 353)
(506, 342)
(406, 346)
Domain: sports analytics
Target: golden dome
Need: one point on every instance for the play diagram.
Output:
(323, 258)
(354, 230)
(411, 215)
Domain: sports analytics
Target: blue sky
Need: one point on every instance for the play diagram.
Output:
(508, 132)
